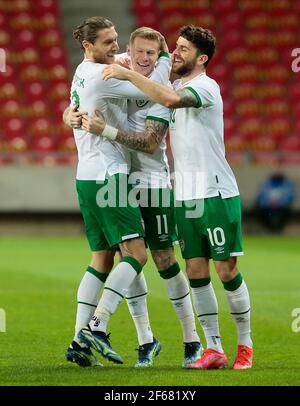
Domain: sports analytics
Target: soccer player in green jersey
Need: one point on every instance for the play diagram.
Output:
(151, 178)
(208, 211)
(103, 167)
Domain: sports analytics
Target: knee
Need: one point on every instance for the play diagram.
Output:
(141, 256)
(226, 270)
(163, 259)
(103, 261)
(197, 268)
(136, 249)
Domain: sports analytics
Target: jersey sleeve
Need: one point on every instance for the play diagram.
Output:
(205, 93)
(162, 69)
(118, 89)
(157, 112)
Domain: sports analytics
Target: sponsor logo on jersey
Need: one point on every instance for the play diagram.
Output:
(78, 81)
(163, 237)
(219, 250)
(141, 103)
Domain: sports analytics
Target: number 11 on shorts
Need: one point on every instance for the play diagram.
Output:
(162, 219)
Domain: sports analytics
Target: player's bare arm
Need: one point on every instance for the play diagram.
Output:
(157, 92)
(146, 141)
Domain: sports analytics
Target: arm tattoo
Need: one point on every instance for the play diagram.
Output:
(187, 99)
(146, 141)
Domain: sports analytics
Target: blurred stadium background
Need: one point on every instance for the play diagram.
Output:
(252, 65)
(261, 92)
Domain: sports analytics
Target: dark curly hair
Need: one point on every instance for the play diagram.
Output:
(88, 30)
(203, 40)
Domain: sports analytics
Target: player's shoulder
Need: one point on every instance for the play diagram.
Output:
(90, 68)
(204, 79)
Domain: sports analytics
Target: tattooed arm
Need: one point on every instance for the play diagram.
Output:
(146, 141)
(156, 91)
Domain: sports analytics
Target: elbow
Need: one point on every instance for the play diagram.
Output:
(151, 149)
(172, 101)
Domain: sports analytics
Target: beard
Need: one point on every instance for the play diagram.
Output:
(186, 68)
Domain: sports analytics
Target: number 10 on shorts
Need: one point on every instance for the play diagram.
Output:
(216, 236)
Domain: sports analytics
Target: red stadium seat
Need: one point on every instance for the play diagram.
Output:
(29, 56)
(35, 90)
(247, 72)
(14, 127)
(60, 107)
(39, 108)
(58, 73)
(44, 143)
(219, 72)
(3, 20)
(5, 38)
(265, 143)
(25, 38)
(8, 90)
(60, 91)
(235, 144)
(22, 20)
(291, 144)
(143, 6)
(230, 127)
(238, 56)
(222, 7)
(148, 20)
(67, 144)
(32, 73)
(42, 7)
(40, 127)
(47, 21)
(54, 56)
(232, 21)
(247, 109)
(18, 6)
(10, 108)
(17, 144)
(50, 38)
(258, 20)
(9, 75)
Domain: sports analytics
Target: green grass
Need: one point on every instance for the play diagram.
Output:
(38, 283)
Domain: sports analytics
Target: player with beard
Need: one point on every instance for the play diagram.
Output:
(102, 168)
(208, 211)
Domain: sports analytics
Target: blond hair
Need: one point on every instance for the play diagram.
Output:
(146, 33)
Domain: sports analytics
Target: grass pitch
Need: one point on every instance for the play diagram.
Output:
(38, 282)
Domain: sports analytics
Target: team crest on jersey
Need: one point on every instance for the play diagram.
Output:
(141, 103)
(182, 245)
(172, 118)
